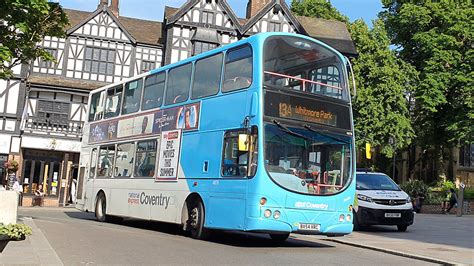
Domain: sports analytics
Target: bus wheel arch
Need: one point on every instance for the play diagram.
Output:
(193, 217)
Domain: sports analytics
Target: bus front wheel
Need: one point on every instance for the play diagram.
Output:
(196, 220)
(100, 207)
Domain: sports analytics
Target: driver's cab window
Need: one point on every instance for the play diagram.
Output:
(234, 162)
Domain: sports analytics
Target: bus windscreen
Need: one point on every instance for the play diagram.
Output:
(295, 63)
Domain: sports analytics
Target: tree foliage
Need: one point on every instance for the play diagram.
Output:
(436, 37)
(384, 84)
(318, 9)
(23, 24)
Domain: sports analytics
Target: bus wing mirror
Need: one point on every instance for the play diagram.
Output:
(351, 73)
(243, 142)
(254, 105)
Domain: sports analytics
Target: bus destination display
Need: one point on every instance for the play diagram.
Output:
(293, 107)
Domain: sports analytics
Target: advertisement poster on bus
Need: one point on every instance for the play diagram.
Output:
(153, 123)
(168, 162)
(103, 131)
(183, 117)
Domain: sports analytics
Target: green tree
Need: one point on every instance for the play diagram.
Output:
(436, 37)
(24, 23)
(384, 85)
(318, 9)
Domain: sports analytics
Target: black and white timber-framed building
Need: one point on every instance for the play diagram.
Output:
(43, 107)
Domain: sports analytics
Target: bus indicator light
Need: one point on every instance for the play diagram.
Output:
(263, 201)
(195, 184)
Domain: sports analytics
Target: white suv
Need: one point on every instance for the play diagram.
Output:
(379, 200)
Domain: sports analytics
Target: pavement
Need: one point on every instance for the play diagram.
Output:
(441, 239)
(437, 238)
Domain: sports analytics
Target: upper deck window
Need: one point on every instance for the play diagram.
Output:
(131, 100)
(207, 76)
(154, 90)
(238, 69)
(112, 101)
(179, 80)
(96, 109)
(298, 64)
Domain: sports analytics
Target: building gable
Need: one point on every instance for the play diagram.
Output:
(276, 16)
(214, 13)
(102, 23)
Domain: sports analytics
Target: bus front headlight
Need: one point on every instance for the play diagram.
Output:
(267, 213)
(276, 214)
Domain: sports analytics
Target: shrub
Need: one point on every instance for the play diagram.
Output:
(444, 187)
(415, 188)
(469, 193)
(15, 231)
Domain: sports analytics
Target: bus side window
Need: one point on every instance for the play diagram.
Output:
(179, 80)
(131, 99)
(96, 109)
(106, 161)
(112, 101)
(207, 76)
(234, 162)
(124, 160)
(238, 69)
(145, 158)
(153, 91)
(93, 164)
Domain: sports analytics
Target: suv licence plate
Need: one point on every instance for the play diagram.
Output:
(393, 215)
(309, 227)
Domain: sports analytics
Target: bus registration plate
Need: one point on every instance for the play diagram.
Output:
(393, 215)
(309, 227)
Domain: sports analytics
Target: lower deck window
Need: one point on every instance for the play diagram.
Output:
(106, 161)
(124, 160)
(146, 158)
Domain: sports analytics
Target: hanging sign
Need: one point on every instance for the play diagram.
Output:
(168, 161)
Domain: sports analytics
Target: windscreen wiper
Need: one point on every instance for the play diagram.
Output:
(326, 135)
(287, 130)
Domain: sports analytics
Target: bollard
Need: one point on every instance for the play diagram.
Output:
(460, 200)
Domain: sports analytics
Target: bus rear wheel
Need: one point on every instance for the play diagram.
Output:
(196, 220)
(279, 237)
(100, 208)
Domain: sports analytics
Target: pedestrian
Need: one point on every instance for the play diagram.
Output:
(19, 190)
(453, 200)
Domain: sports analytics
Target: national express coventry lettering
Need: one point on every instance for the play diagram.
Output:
(145, 199)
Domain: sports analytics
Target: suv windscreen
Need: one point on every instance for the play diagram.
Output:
(375, 182)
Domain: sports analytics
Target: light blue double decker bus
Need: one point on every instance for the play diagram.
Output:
(254, 136)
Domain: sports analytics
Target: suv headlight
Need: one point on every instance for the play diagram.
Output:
(408, 200)
(364, 198)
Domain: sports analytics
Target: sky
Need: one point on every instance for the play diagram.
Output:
(154, 9)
